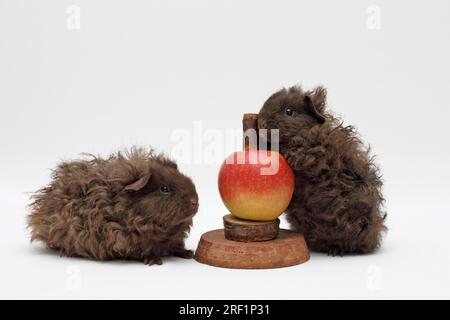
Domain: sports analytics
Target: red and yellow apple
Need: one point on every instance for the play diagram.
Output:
(256, 184)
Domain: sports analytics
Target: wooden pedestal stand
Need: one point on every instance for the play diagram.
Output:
(245, 244)
(287, 249)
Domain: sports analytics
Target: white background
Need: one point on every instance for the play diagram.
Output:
(135, 71)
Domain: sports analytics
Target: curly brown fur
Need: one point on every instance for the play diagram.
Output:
(337, 200)
(116, 208)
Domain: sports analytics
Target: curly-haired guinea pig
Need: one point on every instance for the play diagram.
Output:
(337, 200)
(132, 205)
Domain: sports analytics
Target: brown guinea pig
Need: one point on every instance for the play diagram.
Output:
(132, 205)
(337, 200)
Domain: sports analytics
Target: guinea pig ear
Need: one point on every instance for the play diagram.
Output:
(312, 109)
(318, 97)
(139, 183)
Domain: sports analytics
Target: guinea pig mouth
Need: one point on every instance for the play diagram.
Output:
(184, 221)
(192, 212)
(188, 214)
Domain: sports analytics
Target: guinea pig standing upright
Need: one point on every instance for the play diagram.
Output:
(337, 200)
(132, 205)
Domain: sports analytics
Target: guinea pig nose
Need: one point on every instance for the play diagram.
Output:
(262, 124)
(194, 202)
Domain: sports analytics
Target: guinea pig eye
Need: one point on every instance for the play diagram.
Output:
(164, 189)
(289, 111)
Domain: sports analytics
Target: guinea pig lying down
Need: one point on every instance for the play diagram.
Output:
(133, 205)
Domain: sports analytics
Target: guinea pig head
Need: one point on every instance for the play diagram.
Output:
(164, 196)
(291, 111)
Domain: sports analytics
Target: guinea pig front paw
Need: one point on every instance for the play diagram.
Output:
(152, 260)
(185, 254)
(335, 251)
(62, 252)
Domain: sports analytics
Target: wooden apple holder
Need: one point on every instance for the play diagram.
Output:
(246, 244)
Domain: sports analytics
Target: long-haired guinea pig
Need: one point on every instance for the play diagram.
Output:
(337, 200)
(132, 205)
